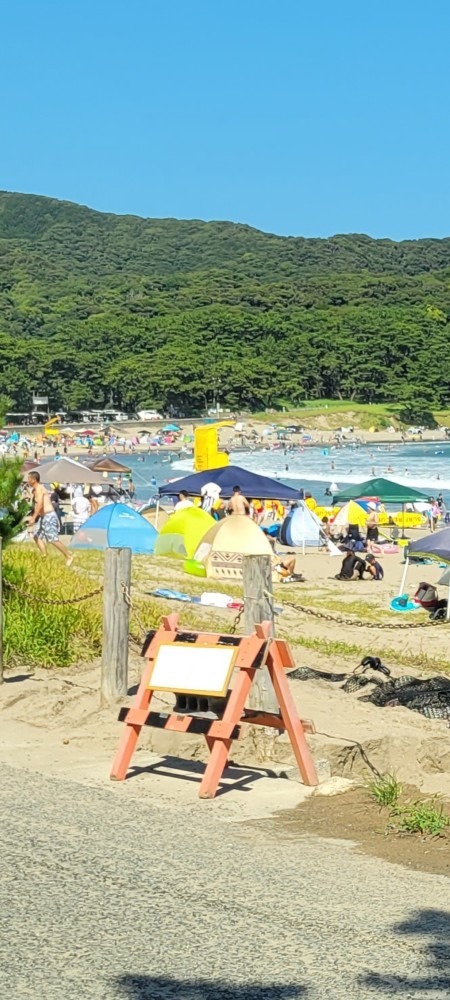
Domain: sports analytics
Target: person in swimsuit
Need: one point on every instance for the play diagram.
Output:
(44, 519)
(372, 523)
(238, 504)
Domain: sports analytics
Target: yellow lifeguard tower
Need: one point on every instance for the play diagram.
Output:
(206, 447)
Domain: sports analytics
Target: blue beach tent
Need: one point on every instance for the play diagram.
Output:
(301, 527)
(116, 526)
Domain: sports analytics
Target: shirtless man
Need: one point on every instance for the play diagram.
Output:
(238, 504)
(48, 528)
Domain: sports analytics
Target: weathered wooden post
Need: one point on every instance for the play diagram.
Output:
(258, 607)
(1, 614)
(116, 618)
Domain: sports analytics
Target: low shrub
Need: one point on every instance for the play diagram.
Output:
(48, 635)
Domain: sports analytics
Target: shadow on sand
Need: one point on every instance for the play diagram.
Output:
(165, 988)
(433, 925)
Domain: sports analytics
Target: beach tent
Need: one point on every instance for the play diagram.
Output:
(301, 527)
(251, 485)
(223, 546)
(385, 490)
(157, 518)
(183, 532)
(116, 526)
(351, 513)
(435, 546)
(66, 470)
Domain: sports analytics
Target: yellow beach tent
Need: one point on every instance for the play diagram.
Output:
(351, 513)
(183, 532)
(222, 548)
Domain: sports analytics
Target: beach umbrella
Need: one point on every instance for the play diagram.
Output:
(106, 464)
(66, 470)
(351, 513)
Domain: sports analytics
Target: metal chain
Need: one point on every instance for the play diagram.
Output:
(358, 624)
(237, 621)
(50, 600)
(129, 601)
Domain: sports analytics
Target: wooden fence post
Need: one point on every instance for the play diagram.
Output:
(258, 607)
(116, 617)
(1, 614)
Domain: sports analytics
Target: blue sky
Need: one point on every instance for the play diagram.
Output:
(300, 117)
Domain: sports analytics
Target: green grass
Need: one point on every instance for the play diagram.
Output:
(425, 818)
(385, 789)
(62, 635)
(361, 610)
(45, 634)
(335, 647)
(54, 635)
(345, 411)
(338, 412)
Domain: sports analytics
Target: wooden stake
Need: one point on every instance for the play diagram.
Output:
(116, 616)
(258, 608)
(1, 614)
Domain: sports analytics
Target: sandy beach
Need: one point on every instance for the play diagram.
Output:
(57, 709)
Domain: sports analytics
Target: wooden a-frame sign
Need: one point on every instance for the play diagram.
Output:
(249, 654)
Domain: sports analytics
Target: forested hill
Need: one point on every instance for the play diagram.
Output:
(165, 312)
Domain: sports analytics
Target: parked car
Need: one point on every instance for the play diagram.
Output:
(149, 415)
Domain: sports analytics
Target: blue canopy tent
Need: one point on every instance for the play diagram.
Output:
(250, 484)
(116, 526)
(435, 546)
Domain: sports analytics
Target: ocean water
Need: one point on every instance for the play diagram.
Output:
(425, 466)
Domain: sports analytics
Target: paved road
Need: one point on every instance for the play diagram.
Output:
(104, 897)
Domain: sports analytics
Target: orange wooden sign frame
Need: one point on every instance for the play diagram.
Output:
(253, 651)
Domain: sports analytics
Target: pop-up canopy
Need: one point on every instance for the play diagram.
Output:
(385, 490)
(250, 484)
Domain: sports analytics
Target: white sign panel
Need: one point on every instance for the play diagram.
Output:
(192, 669)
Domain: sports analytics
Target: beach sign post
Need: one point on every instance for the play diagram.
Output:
(198, 668)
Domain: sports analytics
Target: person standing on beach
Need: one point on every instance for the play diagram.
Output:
(45, 519)
(372, 522)
(184, 501)
(238, 504)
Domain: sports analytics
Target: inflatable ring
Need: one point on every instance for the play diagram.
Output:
(194, 567)
(403, 603)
